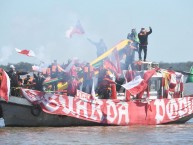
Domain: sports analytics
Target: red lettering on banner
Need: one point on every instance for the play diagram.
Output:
(33, 96)
(83, 95)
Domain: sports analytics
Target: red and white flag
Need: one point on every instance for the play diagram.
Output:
(77, 29)
(136, 86)
(4, 85)
(25, 52)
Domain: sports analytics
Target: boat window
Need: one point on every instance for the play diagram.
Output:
(155, 85)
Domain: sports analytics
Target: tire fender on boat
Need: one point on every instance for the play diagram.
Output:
(36, 110)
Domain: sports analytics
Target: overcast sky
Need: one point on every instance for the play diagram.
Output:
(40, 25)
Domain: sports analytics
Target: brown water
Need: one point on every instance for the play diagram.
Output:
(181, 134)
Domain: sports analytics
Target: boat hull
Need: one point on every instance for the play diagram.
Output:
(25, 114)
(19, 115)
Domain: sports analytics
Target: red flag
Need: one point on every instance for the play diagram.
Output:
(107, 64)
(77, 29)
(148, 74)
(4, 85)
(25, 52)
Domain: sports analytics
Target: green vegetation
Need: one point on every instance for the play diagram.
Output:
(181, 66)
(21, 66)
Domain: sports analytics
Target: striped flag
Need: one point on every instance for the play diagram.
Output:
(77, 29)
(136, 86)
(4, 85)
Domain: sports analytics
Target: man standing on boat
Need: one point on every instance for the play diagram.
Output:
(132, 47)
(54, 74)
(143, 42)
(87, 78)
(72, 86)
(100, 46)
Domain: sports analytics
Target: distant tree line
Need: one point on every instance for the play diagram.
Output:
(181, 66)
(21, 66)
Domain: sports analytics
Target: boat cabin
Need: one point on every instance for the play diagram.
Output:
(163, 84)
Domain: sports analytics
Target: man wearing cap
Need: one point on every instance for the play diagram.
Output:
(143, 42)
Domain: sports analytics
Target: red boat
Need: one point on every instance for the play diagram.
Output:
(164, 102)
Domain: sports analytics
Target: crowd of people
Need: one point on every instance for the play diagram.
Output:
(80, 76)
(16, 81)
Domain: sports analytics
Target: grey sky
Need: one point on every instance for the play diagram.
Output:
(40, 25)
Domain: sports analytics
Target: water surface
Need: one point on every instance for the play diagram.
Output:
(176, 134)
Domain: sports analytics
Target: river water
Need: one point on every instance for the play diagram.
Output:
(176, 134)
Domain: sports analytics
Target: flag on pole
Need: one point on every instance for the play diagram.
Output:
(77, 29)
(4, 85)
(25, 52)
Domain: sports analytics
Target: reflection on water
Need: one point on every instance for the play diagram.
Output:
(179, 134)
